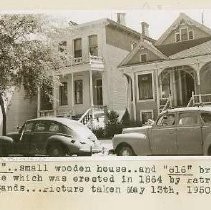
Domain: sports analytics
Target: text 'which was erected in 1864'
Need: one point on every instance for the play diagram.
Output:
(138, 178)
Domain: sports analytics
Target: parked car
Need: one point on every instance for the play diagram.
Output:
(179, 131)
(51, 136)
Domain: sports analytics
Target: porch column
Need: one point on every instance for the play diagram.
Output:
(158, 91)
(180, 86)
(38, 101)
(72, 93)
(91, 88)
(134, 98)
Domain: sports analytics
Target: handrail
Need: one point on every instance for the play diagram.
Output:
(83, 116)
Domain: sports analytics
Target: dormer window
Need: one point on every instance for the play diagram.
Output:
(177, 37)
(184, 35)
(190, 35)
(143, 58)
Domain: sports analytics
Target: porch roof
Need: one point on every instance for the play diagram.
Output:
(202, 49)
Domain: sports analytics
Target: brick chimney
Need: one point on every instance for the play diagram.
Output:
(121, 18)
(145, 29)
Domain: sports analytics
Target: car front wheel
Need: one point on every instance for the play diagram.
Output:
(56, 150)
(125, 150)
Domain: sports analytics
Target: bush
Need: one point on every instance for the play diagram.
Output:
(113, 126)
(99, 132)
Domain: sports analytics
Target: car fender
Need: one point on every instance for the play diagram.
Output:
(137, 141)
(66, 141)
(6, 145)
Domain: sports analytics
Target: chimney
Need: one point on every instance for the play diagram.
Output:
(145, 29)
(121, 18)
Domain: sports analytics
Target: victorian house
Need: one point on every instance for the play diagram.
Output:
(174, 71)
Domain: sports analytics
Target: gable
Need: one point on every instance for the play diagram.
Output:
(144, 52)
(138, 56)
(183, 29)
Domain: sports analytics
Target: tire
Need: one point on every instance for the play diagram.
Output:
(125, 150)
(56, 150)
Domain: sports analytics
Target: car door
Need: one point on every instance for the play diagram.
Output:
(23, 145)
(189, 134)
(40, 137)
(163, 135)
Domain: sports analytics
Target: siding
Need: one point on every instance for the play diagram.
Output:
(20, 110)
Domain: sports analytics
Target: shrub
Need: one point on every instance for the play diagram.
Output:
(113, 126)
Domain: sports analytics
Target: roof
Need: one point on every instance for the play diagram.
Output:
(173, 48)
(175, 24)
(146, 45)
(109, 22)
(202, 49)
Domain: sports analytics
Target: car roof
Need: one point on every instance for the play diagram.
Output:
(62, 120)
(200, 108)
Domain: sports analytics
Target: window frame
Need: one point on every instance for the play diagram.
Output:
(74, 51)
(143, 54)
(137, 87)
(93, 46)
(191, 113)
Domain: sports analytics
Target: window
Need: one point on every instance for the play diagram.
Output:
(146, 115)
(190, 35)
(54, 127)
(133, 45)
(62, 46)
(63, 94)
(206, 117)
(93, 46)
(40, 127)
(145, 86)
(78, 92)
(143, 58)
(177, 37)
(184, 34)
(166, 120)
(187, 119)
(77, 48)
(28, 127)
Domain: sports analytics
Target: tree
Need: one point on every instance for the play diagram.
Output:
(27, 57)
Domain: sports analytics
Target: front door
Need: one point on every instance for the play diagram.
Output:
(189, 134)
(163, 135)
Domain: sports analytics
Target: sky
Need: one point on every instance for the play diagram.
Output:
(158, 19)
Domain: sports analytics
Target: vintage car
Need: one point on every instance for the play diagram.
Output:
(179, 131)
(53, 136)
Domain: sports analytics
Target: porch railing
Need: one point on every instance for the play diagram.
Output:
(165, 103)
(199, 99)
(94, 117)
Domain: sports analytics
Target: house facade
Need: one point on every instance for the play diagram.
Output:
(174, 71)
(91, 80)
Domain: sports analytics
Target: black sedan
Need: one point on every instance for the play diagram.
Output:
(50, 136)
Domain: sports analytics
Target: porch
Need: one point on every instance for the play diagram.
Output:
(79, 93)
